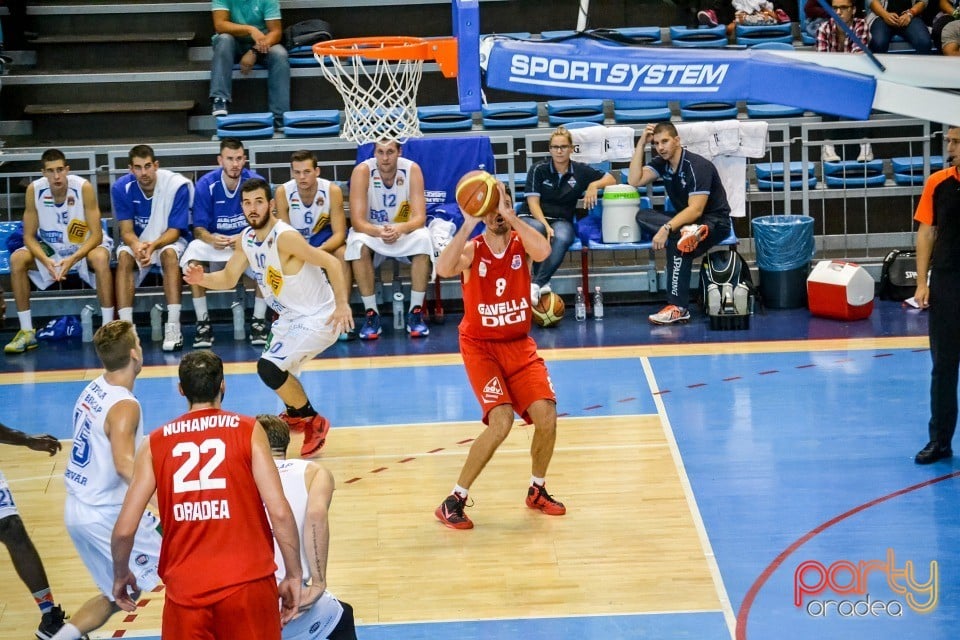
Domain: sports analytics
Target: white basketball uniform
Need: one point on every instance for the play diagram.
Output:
(389, 205)
(320, 620)
(304, 302)
(63, 227)
(308, 218)
(7, 506)
(95, 492)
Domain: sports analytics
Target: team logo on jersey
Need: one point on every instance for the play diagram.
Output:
(76, 231)
(142, 560)
(399, 180)
(492, 391)
(322, 222)
(319, 201)
(482, 269)
(516, 263)
(71, 201)
(274, 280)
(403, 212)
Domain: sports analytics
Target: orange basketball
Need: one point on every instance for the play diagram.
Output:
(477, 193)
(549, 311)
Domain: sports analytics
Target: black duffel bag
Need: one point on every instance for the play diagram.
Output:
(306, 33)
(898, 276)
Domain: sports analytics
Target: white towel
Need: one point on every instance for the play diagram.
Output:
(733, 175)
(726, 138)
(589, 143)
(168, 183)
(619, 143)
(753, 139)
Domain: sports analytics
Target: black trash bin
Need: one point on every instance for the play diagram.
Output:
(785, 247)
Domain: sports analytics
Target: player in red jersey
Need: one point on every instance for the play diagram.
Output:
(213, 474)
(501, 358)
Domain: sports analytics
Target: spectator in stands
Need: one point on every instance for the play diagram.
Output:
(388, 214)
(950, 38)
(553, 190)
(152, 207)
(218, 222)
(888, 18)
(314, 207)
(249, 32)
(832, 38)
(61, 230)
(702, 217)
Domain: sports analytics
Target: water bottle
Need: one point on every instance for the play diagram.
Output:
(399, 322)
(237, 310)
(580, 306)
(86, 323)
(156, 323)
(597, 304)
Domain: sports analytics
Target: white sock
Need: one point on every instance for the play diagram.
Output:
(26, 320)
(369, 302)
(67, 632)
(107, 314)
(259, 308)
(416, 298)
(126, 313)
(173, 313)
(460, 491)
(200, 307)
(537, 481)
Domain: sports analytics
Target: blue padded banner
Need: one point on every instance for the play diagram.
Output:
(587, 69)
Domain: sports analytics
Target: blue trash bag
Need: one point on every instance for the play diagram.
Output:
(62, 328)
(783, 243)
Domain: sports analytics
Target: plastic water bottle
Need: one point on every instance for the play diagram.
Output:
(86, 323)
(580, 306)
(237, 310)
(597, 303)
(399, 322)
(156, 323)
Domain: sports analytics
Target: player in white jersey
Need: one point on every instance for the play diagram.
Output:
(314, 207)
(14, 536)
(296, 281)
(107, 428)
(308, 487)
(61, 230)
(388, 214)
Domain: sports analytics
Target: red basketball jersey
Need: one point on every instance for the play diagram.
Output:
(496, 297)
(216, 536)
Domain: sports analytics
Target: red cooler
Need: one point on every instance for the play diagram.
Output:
(840, 290)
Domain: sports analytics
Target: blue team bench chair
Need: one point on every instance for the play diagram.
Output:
(699, 110)
(909, 170)
(752, 35)
(852, 174)
(640, 111)
(770, 176)
(505, 115)
(699, 37)
(6, 228)
(246, 126)
(567, 111)
(444, 117)
(322, 122)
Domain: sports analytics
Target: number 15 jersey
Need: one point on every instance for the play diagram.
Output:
(216, 537)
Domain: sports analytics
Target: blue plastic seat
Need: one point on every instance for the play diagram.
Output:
(852, 174)
(582, 110)
(503, 115)
(766, 170)
(909, 170)
(637, 111)
(697, 110)
(752, 35)
(446, 117)
(324, 122)
(246, 126)
(301, 57)
(768, 184)
(640, 35)
(699, 37)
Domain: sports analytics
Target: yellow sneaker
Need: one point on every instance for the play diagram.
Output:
(24, 340)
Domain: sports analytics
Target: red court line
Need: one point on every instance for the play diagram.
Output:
(744, 613)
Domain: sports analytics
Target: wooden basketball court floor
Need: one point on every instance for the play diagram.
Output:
(712, 480)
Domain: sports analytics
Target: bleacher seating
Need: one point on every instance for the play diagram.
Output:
(850, 174)
(321, 122)
(909, 170)
(770, 176)
(699, 37)
(246, 126)
(444, 117)
(696, 110)
(640, 111)
(510, 115)
(752, 35)
(567, 111)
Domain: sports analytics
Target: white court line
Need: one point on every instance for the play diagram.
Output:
(711, 558)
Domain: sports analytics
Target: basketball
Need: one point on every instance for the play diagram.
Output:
(477, 194)
(549, 311)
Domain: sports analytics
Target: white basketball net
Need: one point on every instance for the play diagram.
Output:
(379, 96)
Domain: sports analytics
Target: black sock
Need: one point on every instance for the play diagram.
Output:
(306, 411)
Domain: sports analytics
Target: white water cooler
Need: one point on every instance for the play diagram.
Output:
(840, 290)
(620, 205)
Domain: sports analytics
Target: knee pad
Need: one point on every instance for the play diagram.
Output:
(271, 374)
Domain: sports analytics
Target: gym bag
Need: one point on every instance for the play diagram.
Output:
(306, 33)
(727, 290)
(898, 276)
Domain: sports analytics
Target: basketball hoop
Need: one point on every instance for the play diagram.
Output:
(378, 78)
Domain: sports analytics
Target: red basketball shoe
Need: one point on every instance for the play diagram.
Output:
(450, 512)
(538, 498)
(314, 430)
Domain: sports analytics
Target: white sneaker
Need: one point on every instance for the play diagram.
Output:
(534, 294)
(172, 338)
(829, 154)
(866, 153)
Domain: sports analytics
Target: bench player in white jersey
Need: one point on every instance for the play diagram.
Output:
(308, 488)
(107, 428)
(14, 536)
(61, 230)
(388, 214)
(304, 285)
(314, 207)
(217, 224)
